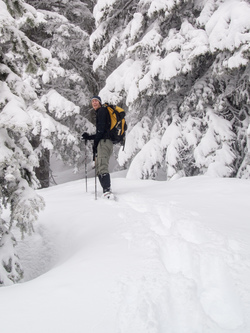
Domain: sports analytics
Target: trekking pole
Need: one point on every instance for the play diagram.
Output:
(86, 174)
(95, 182)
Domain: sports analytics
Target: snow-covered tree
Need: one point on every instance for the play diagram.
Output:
(183, 64)
(65, 33)
(30, 124)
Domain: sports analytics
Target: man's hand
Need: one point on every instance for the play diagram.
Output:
(85, 136)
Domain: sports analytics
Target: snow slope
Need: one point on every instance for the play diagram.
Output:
(167, 257)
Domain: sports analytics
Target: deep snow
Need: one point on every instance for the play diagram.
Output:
(167, 257)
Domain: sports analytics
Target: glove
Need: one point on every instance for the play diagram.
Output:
(85, 136)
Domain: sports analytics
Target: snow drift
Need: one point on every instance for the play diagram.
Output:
(167, 257)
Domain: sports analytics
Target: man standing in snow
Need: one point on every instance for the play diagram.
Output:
(103, 146)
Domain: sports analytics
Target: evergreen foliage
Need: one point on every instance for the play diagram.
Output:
(65, 33)
(10, 268)
(33, 120)
(184, 64)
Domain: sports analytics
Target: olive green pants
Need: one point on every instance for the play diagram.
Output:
(104, 152)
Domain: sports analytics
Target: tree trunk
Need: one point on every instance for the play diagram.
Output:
(43, 171)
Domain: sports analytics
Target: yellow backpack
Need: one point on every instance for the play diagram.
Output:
(118, 124)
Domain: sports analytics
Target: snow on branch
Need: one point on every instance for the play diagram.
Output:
(14, 117)
(135, 140)
(10, 267)
(229, 26)
(58, 105)
(147, 161)
(123, 81)
(214, 154)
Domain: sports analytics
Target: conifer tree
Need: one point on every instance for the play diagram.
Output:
(30, 123)
(184, 64)
(65, 32)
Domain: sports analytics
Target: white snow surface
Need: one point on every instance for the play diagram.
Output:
(166, 257)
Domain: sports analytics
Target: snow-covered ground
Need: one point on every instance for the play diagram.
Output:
(166, 257)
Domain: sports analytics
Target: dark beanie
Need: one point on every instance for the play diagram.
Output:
(98, 98)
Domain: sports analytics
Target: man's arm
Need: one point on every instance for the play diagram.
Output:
(101, 125)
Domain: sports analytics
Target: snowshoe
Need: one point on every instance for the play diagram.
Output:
(108, 195)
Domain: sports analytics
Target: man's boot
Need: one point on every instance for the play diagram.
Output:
(105, 182)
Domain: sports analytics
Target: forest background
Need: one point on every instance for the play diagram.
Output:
(180, 69)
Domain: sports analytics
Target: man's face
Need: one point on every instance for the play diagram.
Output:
(95, 103)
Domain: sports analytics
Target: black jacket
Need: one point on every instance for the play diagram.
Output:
(102, 125)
